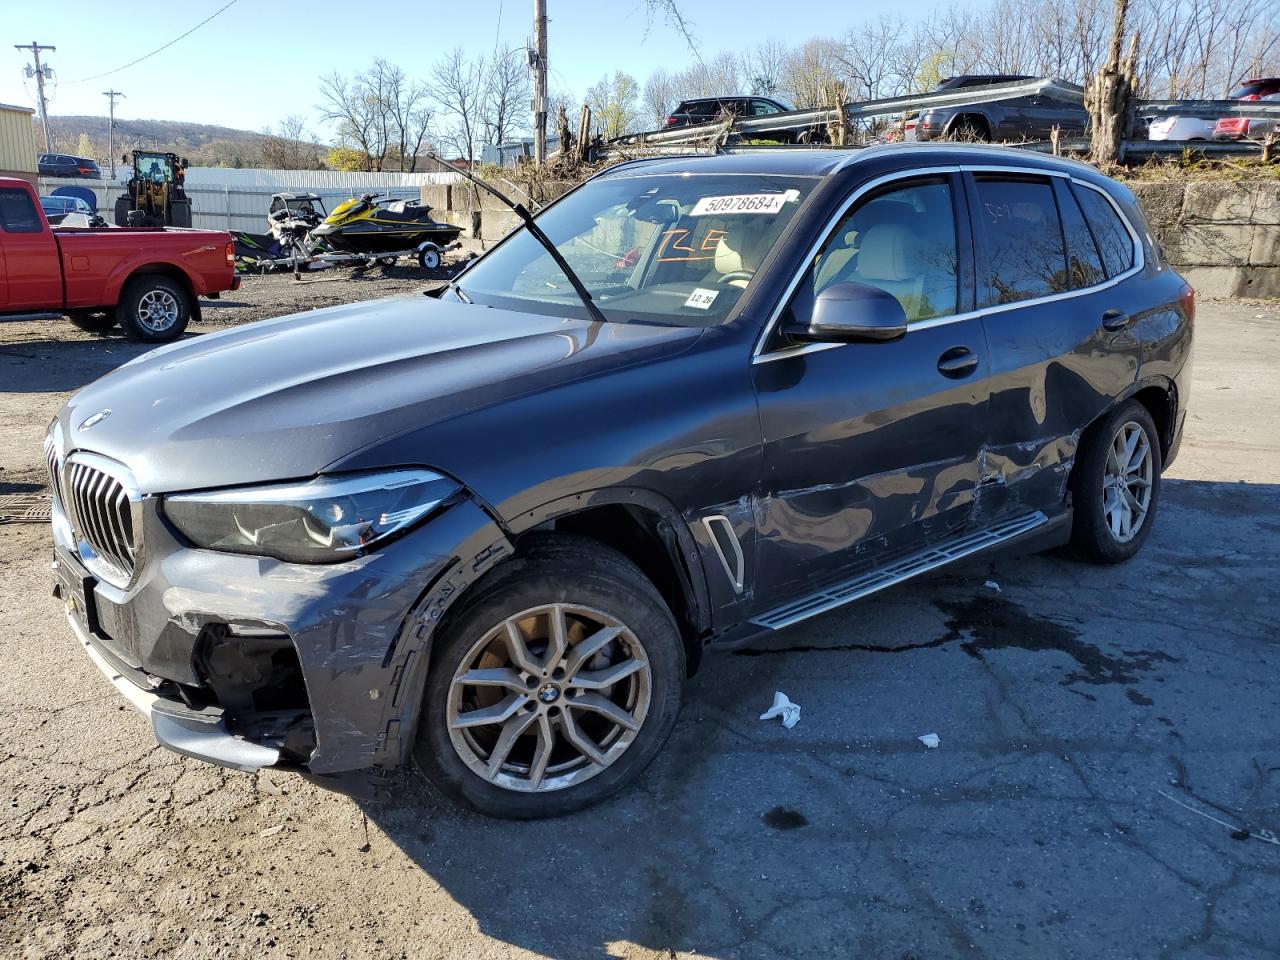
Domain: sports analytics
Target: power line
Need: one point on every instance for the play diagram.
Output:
(148, 56)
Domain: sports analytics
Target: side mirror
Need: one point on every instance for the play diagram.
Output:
(185, 163)
(851, 312)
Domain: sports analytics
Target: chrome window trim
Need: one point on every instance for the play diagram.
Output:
(759, 356)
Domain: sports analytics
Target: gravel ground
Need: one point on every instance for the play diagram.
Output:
(1092, 721)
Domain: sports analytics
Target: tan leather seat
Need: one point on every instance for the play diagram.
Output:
(739, 251)
(889, 257)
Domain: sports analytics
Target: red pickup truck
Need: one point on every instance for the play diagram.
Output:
(147, 279)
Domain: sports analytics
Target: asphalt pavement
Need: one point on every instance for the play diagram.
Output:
(1106, 784)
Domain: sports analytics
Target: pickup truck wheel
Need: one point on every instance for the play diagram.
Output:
(555, 685)
(1116, 486)
(154, 309)
(93, 321)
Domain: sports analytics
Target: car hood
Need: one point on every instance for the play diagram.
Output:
(285, 398)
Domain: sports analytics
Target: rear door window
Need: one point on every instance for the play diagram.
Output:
(1114, 241)
(1084, 263)
(17, 212)
(1021, 255)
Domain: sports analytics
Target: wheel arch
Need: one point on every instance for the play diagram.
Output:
(648, 530)
(969, 116)
(160, 268)
(1160, 398)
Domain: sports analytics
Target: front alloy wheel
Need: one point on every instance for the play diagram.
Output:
(550, 697)
(553, 685)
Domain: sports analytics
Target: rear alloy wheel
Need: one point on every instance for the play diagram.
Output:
(1117, 486)
(154, 309)
(554, 688)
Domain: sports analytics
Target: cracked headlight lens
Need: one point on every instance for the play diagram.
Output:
(315, 521)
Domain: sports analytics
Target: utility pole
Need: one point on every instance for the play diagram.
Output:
(111, 127)
(540, 82)
(35, 49)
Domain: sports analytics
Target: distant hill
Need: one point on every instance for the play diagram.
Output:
(205, 145)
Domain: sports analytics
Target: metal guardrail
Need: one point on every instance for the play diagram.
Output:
(799, 121)
(791, 120)
(1208, 109)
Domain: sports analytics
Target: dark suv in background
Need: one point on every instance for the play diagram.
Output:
(65, 165)
(494, 530)
(707, 109)
(1022, 118)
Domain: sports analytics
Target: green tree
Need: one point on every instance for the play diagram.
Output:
(613, 104)
(348, 159)
(84, 148)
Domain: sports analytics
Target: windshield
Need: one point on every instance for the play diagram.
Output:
(672, 249)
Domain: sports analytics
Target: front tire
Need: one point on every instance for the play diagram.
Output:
(1116, 486)
(153, 309)
(554, 686)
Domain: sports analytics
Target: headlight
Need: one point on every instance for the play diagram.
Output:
(317, 521)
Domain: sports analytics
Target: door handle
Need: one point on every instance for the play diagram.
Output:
(957, 362)
(1115, 320)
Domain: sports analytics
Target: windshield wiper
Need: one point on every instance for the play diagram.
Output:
(522, 212)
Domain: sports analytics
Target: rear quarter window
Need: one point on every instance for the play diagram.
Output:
(1114, 241)
(17, 212)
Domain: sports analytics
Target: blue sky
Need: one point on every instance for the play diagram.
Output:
(287, 44)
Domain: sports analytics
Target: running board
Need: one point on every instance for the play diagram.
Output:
(905, 569)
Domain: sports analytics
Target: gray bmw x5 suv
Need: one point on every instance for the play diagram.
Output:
(491, 531)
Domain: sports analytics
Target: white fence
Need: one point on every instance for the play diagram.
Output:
(228, 199)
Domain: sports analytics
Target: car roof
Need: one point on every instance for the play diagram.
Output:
(820, 162)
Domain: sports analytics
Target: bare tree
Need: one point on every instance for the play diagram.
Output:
(458, 87)
(357, 116)
(810, 72)
(381, 112)
(872, 60)
(288, 146)
(762, 66)
(661, 94)
(508, 89)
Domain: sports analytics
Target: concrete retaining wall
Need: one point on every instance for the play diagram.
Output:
(1222, 235)
(483, 217)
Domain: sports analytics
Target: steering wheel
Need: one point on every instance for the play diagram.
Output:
(735, 275)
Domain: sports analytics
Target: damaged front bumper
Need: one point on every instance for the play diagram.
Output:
(204, 737)
(248, 662)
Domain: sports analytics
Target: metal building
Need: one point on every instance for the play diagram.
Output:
(17, 142)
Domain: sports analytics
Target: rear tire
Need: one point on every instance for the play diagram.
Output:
(153, 309)
(93, 321)
(1116, 493)
(594, 591)
(429, 259)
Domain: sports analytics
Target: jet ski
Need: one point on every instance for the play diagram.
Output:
(373, 226)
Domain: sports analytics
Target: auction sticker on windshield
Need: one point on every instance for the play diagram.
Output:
(741, 203)
(701, 298)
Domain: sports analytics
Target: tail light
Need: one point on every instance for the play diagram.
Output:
(1188, 302)
(83, 170)
(231, 254)
(671, 122)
